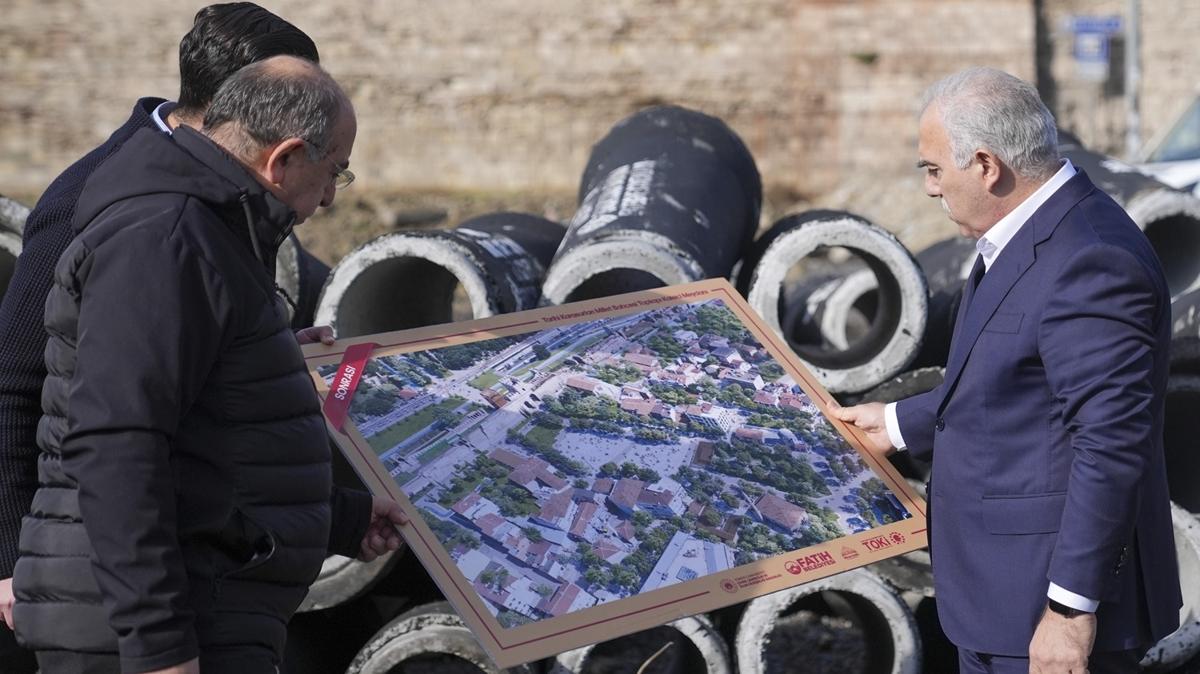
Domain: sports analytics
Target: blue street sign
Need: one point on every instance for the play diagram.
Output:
(1090, 46)
(1096, 24)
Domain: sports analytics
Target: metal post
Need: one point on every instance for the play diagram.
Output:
(1133, 77)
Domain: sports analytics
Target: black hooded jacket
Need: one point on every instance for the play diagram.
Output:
(185, 498)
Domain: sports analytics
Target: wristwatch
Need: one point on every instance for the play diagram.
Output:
(1063, 609)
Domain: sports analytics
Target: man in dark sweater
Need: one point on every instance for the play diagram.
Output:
(223, 39)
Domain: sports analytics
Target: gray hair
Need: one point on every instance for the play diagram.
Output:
(985, 108)
(272, 100)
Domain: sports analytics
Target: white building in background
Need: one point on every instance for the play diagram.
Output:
(522, 597)
(722, 419)
(686, 558)
(472, 563)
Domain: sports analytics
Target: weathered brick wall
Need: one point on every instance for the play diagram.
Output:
(510, 95)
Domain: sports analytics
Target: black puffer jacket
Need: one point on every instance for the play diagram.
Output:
(185, 496)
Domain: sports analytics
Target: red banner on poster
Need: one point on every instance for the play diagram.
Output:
(337, 403)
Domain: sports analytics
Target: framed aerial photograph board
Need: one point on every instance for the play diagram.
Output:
(580, 472)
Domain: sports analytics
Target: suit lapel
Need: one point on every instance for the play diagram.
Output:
(1016, 258)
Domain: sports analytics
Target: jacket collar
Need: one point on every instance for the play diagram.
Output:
(273, 220)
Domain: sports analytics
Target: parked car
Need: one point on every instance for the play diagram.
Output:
(1175, 157)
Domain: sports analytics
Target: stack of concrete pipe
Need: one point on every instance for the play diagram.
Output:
(668, 196)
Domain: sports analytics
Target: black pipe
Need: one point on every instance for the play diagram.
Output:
(1180, 441)
(670, 195)
(1169, 217)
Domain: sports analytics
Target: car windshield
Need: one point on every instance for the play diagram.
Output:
(1183, 142)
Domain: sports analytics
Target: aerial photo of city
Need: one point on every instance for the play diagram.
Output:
(589, 462)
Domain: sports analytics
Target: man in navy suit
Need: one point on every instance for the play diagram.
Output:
(1050, 525)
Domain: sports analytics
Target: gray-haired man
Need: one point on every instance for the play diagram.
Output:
(185, 500)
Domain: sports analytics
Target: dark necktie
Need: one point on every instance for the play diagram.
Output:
(972, 283)
(968, 294)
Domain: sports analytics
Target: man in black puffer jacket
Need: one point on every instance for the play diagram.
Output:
(222, 39)
(185, 499)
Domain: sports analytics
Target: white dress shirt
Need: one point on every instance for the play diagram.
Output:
(158, 118)
(989, 247)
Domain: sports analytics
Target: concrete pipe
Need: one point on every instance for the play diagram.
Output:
(895, 334)
(801, 304)
(625, 142)
(848, 313)
(12, 215)
(1185, 315)
(888, 639)
(343, 579)
(300, 275)
(687, 646)
(836, 314)
(1180, 442)
(430, 638)
(669, 196)
(1185, 355)
(906, 384)
(10, 248)
(946, 265)
(408, 279)
(1184, 643)
(1169, 217)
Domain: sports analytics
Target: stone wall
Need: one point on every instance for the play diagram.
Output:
(509, 95)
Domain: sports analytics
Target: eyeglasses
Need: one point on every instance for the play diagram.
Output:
(342, 177)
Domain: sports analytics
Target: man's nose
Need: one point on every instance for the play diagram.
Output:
(327, 198)
(932, 188)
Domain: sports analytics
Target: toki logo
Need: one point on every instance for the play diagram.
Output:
(885, 541)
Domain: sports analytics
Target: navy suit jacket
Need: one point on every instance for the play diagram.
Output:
(1046, 436)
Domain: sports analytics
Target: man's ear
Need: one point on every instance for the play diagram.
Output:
(989, 168)
(280, 158)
